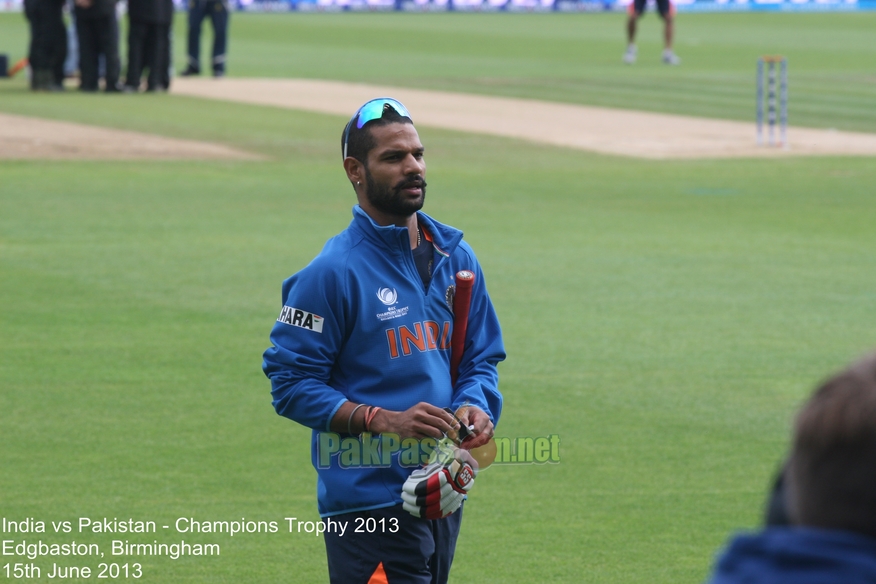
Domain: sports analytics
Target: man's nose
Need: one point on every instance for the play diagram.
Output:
(414, 165)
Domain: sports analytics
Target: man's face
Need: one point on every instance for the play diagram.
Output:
(395, 170)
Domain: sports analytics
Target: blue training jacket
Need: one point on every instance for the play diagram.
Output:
(357, 324)
(796, 555)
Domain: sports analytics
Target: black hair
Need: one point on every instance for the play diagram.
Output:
(360, 141)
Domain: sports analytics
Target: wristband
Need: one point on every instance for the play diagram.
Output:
(350, 419)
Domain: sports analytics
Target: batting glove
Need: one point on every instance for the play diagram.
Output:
(437, 490)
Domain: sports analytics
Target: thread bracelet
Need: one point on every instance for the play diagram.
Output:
(369, 416)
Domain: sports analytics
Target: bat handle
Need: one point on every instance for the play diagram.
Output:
(461, 304)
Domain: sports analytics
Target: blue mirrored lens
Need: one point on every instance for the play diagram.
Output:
(373, 110)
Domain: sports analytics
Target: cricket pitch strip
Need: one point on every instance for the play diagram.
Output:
(596, 129)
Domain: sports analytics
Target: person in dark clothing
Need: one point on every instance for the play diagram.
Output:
(827, 493)
(98, 32)
(48, 43)
(783, 555)
(149, 43)
(217, 10)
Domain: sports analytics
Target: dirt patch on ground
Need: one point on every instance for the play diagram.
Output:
(27, 138)
(605, 130)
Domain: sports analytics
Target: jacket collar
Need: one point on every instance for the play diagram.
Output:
(394, 239)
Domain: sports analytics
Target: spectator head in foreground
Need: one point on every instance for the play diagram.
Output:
(831, 477)
(828, 492)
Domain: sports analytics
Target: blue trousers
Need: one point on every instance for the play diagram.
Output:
(217, 10)
(408, 549)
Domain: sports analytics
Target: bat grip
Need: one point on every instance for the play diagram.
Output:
(461, 304)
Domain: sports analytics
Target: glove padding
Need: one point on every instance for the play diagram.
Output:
(437, 490)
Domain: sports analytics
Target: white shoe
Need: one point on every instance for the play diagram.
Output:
(671, 58)
(630, 55)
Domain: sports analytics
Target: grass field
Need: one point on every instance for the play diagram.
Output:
(663, 318)
(564, 57)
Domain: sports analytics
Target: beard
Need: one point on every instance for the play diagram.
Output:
(389, 200)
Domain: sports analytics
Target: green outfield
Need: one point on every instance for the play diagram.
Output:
(664, 319)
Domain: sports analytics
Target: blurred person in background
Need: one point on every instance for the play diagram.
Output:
(666, 9)
(48, 44)
(149, 43)
(217, 10)
(71, 63)
(826, 493)
(98, 32)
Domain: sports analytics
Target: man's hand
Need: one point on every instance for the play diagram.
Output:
(479, 421)
(437, 490)
(421, 421)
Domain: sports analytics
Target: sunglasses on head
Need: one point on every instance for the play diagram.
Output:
(373, 110)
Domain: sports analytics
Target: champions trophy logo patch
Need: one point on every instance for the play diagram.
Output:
(387, 296)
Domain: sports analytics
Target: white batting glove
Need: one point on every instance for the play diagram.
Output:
(437, 490)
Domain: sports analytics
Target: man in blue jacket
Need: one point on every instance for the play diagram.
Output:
(830, 495)
(361, 354)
